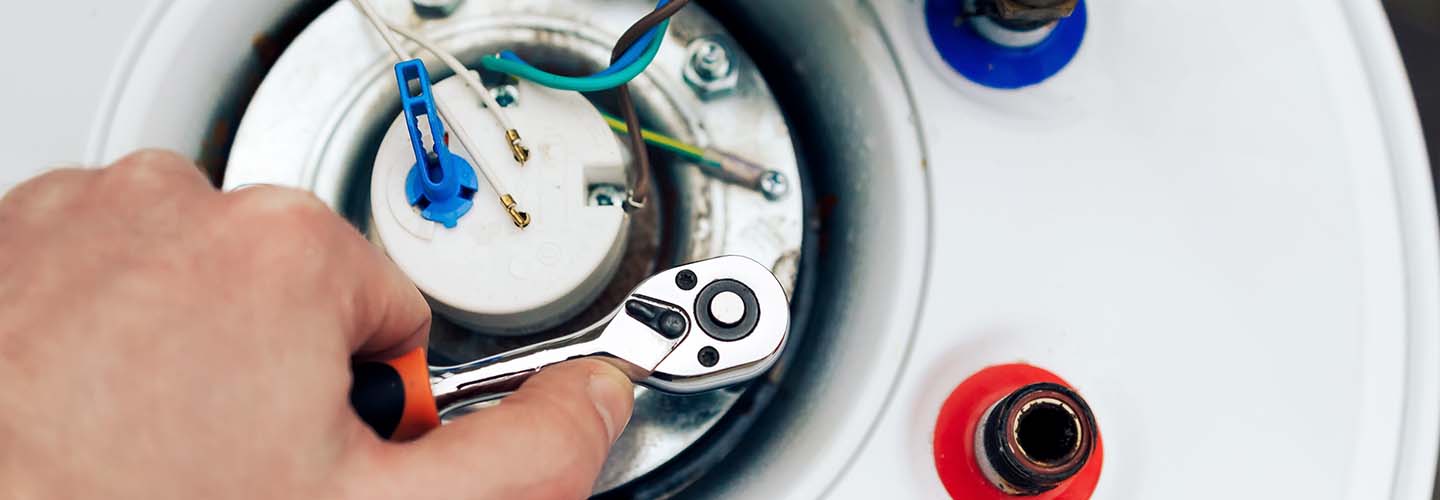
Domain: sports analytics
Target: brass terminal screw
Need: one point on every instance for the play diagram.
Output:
(521, 219)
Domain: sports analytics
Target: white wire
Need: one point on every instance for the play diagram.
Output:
(469, 77)
(445, 114)
(464, 136)
(380, 26)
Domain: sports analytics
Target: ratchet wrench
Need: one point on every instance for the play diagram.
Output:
(693, 328)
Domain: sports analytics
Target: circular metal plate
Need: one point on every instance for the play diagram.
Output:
(316, 121)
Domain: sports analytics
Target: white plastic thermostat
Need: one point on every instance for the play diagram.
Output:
(485, 273)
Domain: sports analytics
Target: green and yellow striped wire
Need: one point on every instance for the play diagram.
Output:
(662, 141)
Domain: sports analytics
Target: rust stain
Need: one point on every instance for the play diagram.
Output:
(266, 48)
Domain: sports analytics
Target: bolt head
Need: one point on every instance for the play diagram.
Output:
(711, 61)
(710, 71)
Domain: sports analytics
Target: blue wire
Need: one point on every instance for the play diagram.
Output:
(631, 54)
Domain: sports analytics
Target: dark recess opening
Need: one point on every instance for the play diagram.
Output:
(1047, 433)
(1417, 31)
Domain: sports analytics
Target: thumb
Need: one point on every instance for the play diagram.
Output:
(548, 440)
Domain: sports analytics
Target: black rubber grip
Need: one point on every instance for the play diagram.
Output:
(378, 396)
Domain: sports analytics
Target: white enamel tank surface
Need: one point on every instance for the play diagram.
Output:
(1218, 225)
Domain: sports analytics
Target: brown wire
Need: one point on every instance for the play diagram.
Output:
(640, 189)
(651, 20)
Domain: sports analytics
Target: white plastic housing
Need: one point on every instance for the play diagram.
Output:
(485, 273)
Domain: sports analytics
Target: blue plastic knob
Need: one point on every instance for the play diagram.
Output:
(440, 184)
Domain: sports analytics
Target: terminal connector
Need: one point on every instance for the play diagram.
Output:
(521, 219)
(517, 148)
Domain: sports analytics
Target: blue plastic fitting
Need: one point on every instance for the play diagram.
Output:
(993, 65)
(441, 184)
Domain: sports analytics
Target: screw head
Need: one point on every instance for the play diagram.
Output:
(708, 356)
(686, 279)
(774, 185)
(606, 195)
(506, 95)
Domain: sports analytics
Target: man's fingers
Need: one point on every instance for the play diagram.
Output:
(139, 172)
(48, 192)
(155, 168)
(389, 316)
(546, 441)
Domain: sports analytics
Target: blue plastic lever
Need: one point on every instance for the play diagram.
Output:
(440, 184)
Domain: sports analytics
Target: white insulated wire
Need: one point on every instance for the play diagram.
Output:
(455, 66)
(379, 24)
(445, 114)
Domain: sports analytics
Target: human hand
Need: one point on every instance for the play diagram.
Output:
(159, 339)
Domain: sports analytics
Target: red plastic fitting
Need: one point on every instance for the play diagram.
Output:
(1017, 430)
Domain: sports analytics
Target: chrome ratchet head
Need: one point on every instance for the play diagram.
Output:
(696, 327)
(737, 318)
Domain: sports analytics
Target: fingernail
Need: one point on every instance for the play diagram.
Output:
(612, 395)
